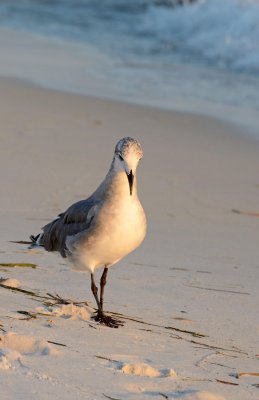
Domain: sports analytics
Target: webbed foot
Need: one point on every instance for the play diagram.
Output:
(107, 320)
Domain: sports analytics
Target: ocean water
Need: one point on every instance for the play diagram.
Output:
(200, 55)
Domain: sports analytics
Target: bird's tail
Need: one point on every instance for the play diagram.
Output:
(35, 241)
(34, 238)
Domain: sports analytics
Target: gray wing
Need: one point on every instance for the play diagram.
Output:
(75, 219)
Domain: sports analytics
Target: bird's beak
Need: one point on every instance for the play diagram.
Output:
(130, 177)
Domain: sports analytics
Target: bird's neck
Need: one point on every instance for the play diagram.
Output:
(118, 184)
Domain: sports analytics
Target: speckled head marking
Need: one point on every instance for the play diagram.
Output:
(128, 145)
(128, 152)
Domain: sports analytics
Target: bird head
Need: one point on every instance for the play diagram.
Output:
(128, 152)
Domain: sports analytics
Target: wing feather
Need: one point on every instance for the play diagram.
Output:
(77, 218)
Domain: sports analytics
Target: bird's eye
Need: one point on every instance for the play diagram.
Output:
(121, 158)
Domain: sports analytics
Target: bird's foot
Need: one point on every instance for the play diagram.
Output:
(107, 320)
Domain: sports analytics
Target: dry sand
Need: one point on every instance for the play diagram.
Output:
(197, 270)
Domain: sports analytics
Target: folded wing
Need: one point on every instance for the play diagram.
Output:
(75, 219)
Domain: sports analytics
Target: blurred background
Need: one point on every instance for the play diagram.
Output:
(195, 55)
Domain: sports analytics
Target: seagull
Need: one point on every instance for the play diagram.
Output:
(102, 229)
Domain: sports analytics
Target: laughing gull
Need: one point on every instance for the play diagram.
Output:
(101, 230)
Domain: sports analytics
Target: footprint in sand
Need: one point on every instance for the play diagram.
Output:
(139, 368)
(142, 369)
(67, 311)
(14, 350)
(10, 282)
(146, 370)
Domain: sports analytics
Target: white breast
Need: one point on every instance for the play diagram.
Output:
(119, 229)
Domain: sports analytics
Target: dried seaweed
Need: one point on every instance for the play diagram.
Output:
(33, 315)
(195, 334)
(109, 397)
(249, 213)
(106, 358)
(227, 382)
(56, 343)
(21, 265)
(164, 395)
(239, 374)
(55, 299)
(28, 292)
(49, 300)
(218, 290)
(28, 314)
(209, 346)
(21, 241)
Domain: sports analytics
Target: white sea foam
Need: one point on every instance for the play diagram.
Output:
(223, 32)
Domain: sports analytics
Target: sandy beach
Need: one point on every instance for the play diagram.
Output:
(188, 295)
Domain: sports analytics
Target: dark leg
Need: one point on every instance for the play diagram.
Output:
(101, 317)
(95, 292)
(102, 284)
